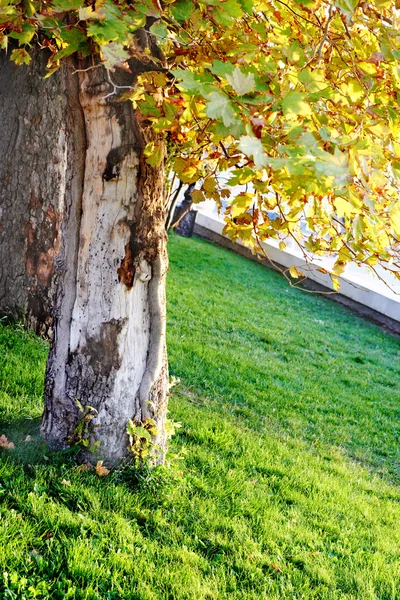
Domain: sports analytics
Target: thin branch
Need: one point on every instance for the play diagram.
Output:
(115, 86)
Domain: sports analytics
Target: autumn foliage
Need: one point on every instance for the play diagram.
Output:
(297, 100)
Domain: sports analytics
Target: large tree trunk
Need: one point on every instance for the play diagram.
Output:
(108, 355)
(32, 182)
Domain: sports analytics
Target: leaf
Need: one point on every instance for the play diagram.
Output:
(171, 427)
(87, 466)
(241, 203)
(65, 5)
(154, 154)
(5, 443)
(28, 31)
(295, 273)
(347, 6)
(66, 482)
(293, 104)
(251, 146)
(187, 169)
(142, 433)
(182, 10)
(198, 196)
(242, 83)
(335, 283)
(87, 12)
(343, 207)
(115, 55)
(358, 227)
(20, 56)
(220, 107)
(395, 217)
(100, 470)
(188, 81)
(221, 68)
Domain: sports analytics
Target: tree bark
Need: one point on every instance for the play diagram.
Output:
(32, 181)
(107, 362)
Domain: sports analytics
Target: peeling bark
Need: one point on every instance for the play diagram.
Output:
(109, 348)
(104, 255)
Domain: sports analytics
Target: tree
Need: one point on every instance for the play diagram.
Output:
(296, 100)
(29, 197)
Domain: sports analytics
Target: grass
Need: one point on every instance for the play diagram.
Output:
(284, 477)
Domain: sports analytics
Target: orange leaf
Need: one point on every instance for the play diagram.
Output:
(100, 470)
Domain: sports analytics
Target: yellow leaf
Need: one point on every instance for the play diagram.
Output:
(343, 208)
(198, 196)
(241, 203)
(353, 90)
(395, 217)
(66, 482)
(100, 470)
(295, 273)
(335, 283)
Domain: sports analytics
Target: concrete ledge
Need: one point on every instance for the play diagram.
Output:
(371, 304)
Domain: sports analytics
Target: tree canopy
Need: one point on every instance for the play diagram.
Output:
(297, 100)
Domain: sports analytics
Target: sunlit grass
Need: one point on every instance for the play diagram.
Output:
(283, 482)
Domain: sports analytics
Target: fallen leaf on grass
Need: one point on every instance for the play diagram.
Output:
(66, 482)
(4, 443)
(100, 470)
(87, 466)
(47, 535)
(276, 567)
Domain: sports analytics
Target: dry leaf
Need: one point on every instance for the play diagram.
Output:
(66, 482)
(276, 568)
(87, 466)
(4, 443)
(100, 470)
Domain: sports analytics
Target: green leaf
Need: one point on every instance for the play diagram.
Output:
(114, 55)
(251, 146)
(221, 68)
(242, 83)
(25, 36)
(293, 104)
(202, 85)
(154, 154)
(347, 6)
(20, 56)
(142, 433)
(220, 107)
(182, 10)
(65, 5)
(358, 227)
(113, 28)
(87, 12)
(247, 6)
(73, 41)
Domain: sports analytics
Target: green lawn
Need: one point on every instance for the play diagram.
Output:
(284, 477)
